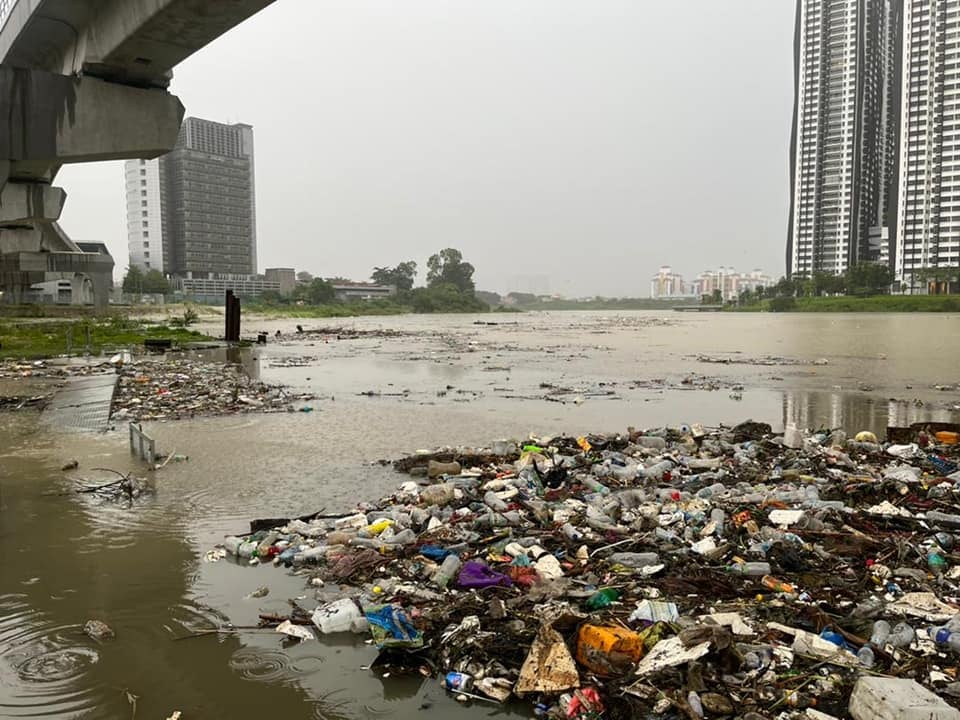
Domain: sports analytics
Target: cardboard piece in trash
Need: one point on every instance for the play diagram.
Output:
(924, 605)
(883, 698)
(670, 653)
(549, 667)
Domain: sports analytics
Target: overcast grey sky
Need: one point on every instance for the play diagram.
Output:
(567, 146)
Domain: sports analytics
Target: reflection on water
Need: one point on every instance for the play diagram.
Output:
(856, 411)
(69, 558)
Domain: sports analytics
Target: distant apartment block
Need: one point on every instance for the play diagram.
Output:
(843, 148)
(192, 212)
(928, 219)
(669, 284)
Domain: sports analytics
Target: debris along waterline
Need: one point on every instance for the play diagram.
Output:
(625, 575)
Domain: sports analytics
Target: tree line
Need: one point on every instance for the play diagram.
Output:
(449, 285)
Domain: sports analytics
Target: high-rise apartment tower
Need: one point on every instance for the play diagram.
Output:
(191, 213)
(843, 148)
(928, 218)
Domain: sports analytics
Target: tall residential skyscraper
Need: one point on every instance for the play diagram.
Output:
(928, 219)
(192, 212)
(843, 149)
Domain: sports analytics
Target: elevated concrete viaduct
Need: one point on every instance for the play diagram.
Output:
(85, 81)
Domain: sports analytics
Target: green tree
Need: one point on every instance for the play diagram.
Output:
(155, 282)
(317, 292)
(133, 280)
(868, 279)
(401, 276)
(716, 297)
(448, 268)
(783, 288)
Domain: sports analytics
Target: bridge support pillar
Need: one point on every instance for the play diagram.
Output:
(22, 204)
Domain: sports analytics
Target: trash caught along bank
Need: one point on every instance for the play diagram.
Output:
(670, 573)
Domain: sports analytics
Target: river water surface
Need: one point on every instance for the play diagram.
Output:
(446, 380)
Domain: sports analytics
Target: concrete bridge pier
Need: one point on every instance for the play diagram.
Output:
(50, 120)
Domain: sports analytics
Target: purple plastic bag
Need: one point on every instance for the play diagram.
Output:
(478, 575)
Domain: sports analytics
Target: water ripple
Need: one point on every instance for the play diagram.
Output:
(43, 663)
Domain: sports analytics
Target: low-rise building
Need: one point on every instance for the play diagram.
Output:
(346, 291)
(287, 277)
(212, 288)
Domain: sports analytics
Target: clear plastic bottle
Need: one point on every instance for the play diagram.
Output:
(880, 633)
(750, 569)
(866, 657)
(571, 533)
(718, 517)
(493, 501)
(447, 571)
(902, 636)
(635, 559)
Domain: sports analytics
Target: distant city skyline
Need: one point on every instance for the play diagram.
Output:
(667, 283)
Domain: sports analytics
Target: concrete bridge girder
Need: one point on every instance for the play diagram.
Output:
(51, 120)
(136, 42)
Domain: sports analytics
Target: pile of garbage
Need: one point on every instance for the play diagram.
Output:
(669, 573)
(174, 388)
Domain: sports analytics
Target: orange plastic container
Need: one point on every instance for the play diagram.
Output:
(947, 438)
(608, 649)
(776, 584)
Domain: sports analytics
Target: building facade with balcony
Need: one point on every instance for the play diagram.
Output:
(844, 140)
(928, 218)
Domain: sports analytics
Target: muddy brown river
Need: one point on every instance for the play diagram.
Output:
(68, 558)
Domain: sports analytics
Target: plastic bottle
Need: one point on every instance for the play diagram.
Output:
(902, 636)
(635, 559)
(777, 585)
(571, 533)
(447, 571)
(866, 657)
(493, 501)
(657, 471)
(232, 544)
(936, 562)
(750, 569)
(696, 706)
(881, 631)
(948, 639)
(666, 535)
(718, 517)
(943, 519)
(595, 485)
(404, 537)
(247, 550)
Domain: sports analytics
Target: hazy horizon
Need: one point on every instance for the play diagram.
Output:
(562, 147)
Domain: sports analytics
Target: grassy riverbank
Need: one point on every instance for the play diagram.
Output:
(34, 339)
(876, 303)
